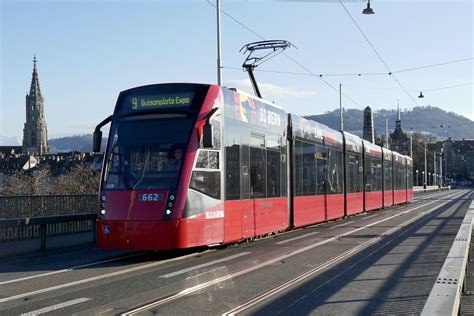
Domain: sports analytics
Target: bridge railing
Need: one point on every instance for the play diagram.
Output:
(22, 206)
(41, 227)
(38, 216)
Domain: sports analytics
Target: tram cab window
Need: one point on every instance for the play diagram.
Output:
(206, 176)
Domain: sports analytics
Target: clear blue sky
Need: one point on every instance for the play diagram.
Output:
(88, 51)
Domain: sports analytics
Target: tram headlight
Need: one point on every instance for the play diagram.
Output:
(172, 197)
(102, 212)
(168, 212)
(170, 204)
(102, 198)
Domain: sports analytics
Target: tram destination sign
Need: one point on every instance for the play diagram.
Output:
(142, 102)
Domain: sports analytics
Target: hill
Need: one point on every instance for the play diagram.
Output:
(73, 143)
(426, 119)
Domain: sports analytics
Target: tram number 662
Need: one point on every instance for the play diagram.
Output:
(150, 197)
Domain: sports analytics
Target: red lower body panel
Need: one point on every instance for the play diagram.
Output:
(399, 196)
(199, 232)
(387, 198)
(308, 210)
(355, 203)
(373, 200)
(335, 206)
(143, 235)
(409, 195)
(271, 215)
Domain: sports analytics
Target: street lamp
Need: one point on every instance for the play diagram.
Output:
(416, 171)
(424, 179)
(429, 177)
(368, 10)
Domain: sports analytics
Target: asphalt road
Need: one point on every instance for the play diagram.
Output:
(382, 262)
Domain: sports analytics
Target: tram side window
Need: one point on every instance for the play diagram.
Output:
(273, 173)
(387, 173)
(321, 158)
(368, 174)
(410, 177)
(298, 168)
(354, 173)
(378, 174)
(335, 182)
(309, 169)
(257, 167)
(232, 157)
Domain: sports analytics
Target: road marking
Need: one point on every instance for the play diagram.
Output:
(277, 259)
(100, 277)
(296, 238)
(210, 263)
(370, 216)
(57, 306)
(67, 269)
(282, 287)
(340, 225)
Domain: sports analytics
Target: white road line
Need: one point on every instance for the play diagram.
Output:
(296, 238)
(57, 306)
(100, 277)
(340, 225)
(277, 259)
(370, 216)
(67, 269)
(210, 263)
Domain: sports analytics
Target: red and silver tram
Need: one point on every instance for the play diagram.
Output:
(193, 164)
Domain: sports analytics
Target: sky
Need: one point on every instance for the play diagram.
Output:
(90, 50)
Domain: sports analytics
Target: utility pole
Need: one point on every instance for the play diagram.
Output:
(386, 133)
(441, 167)
(434, 166)
(219, 67)
(426, 171)
(341, 119)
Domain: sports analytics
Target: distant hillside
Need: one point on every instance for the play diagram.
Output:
(73, 143)
(427, 119)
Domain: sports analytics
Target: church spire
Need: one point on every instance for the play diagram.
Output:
(35, 134)
(35, 90)
(398, 122)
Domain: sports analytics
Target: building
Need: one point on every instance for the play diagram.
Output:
(35, 133)
(400, 142)
(458, 158)
(368, 129)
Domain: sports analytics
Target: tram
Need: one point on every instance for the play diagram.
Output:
(191, 165)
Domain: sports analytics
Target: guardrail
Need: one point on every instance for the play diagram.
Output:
(44, 221)
(445, 296)
(430, 188)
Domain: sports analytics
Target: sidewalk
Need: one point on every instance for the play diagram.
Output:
(16, 247)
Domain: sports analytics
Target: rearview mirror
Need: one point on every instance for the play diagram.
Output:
(97, 140)
(207, 135)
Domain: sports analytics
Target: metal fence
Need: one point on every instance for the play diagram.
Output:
(46, 205)
(36, 206)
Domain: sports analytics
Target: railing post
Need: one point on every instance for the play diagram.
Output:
(43, 236)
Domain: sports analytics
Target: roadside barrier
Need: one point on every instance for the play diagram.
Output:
(445, 295)
(27, 225)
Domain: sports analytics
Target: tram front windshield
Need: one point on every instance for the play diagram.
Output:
(146, 152)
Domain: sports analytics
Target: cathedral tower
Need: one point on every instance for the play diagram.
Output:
(35, 134)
